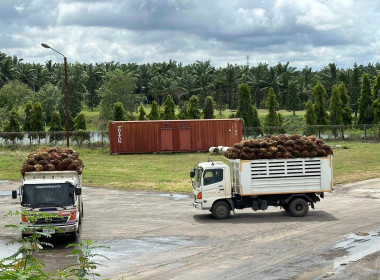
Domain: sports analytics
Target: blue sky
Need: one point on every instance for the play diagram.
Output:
(303, 32)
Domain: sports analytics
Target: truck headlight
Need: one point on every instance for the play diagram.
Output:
(73, 216)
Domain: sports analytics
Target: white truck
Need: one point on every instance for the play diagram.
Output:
(292, 184)
(58, 194)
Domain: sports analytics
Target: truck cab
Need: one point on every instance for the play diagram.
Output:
(57, 197)
(211, 182)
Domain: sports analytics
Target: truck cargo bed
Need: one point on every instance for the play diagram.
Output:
(280, 176)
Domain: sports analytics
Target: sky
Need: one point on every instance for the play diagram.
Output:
(303, 32)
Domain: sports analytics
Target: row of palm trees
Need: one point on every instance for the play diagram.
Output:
(154, 81)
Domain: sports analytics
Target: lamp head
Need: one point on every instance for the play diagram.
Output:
(45, 45)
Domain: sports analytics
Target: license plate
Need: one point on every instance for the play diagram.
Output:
(48, 230)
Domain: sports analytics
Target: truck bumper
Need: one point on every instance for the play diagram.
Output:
(59, 229)
(197, 205)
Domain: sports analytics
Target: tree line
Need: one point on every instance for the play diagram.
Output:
(117, 90)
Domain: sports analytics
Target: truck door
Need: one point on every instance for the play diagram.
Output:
(213, 187)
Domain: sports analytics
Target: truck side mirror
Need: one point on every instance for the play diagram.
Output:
(14, 194)
(78, 191)
(192, 174)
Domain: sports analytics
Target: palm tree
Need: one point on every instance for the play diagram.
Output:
(305, 84)
(231, 77)
(285, 80)
(204, 74)
(157, 88)
(95, 77)
(7, 70)
(257, 79)
(329, 77)
(41, 76)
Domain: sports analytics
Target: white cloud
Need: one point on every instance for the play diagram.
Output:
(300, 31)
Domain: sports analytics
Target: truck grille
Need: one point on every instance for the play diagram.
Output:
(52, 220)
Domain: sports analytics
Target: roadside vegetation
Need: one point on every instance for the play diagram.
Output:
(353, 161)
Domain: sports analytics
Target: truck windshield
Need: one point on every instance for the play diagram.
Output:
(198, 177)
(47, 195)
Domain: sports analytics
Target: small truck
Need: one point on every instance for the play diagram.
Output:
(57, 194)
(293, 184)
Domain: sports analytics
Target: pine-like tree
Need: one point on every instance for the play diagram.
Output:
(246, 111)
(12, 125)
(336, 110)
(293, 100)
(366, 112)
(272, 119)
(56, 127)
(319, 93)
(376, 102)
(37, 121)
(376, 110)
(208, 110)
(310, 119)
(142, 114)
(37, 118)
(28, 112)
(192, 108)
(169, 108)
(345, 98)
(55, 124)
(355, 89)
(154, 112)
(118, 113)
(182, 115)
(80, 134)
(376, 87)
(80, 122)
(245, 106)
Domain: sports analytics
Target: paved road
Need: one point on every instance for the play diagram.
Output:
(160, 236)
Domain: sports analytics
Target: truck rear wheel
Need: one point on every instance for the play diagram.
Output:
(298, 207)
(221, 210)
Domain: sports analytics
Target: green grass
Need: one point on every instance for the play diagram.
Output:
(355, 161)
(158, 172)
(170, 172)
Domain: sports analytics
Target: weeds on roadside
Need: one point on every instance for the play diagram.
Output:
(23, 265)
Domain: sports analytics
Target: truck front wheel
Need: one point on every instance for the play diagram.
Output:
(221, 210)
(298, 207)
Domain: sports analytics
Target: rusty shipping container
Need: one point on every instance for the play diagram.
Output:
(173, 135)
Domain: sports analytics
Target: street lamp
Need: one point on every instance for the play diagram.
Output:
(66, 92)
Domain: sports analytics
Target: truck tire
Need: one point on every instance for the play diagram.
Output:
(221, 210)
(298, 207)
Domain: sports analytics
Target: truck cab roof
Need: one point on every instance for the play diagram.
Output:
(43, 177)
(212, 164)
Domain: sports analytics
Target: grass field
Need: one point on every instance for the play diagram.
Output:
(353, 161)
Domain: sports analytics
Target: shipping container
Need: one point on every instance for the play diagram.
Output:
(173, 135)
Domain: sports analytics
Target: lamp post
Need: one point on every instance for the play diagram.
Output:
(66, 93)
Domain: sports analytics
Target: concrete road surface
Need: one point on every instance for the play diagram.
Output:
(161, 236)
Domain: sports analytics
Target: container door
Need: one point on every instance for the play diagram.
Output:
(166, 139)
(214, 186)
(184, 139)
